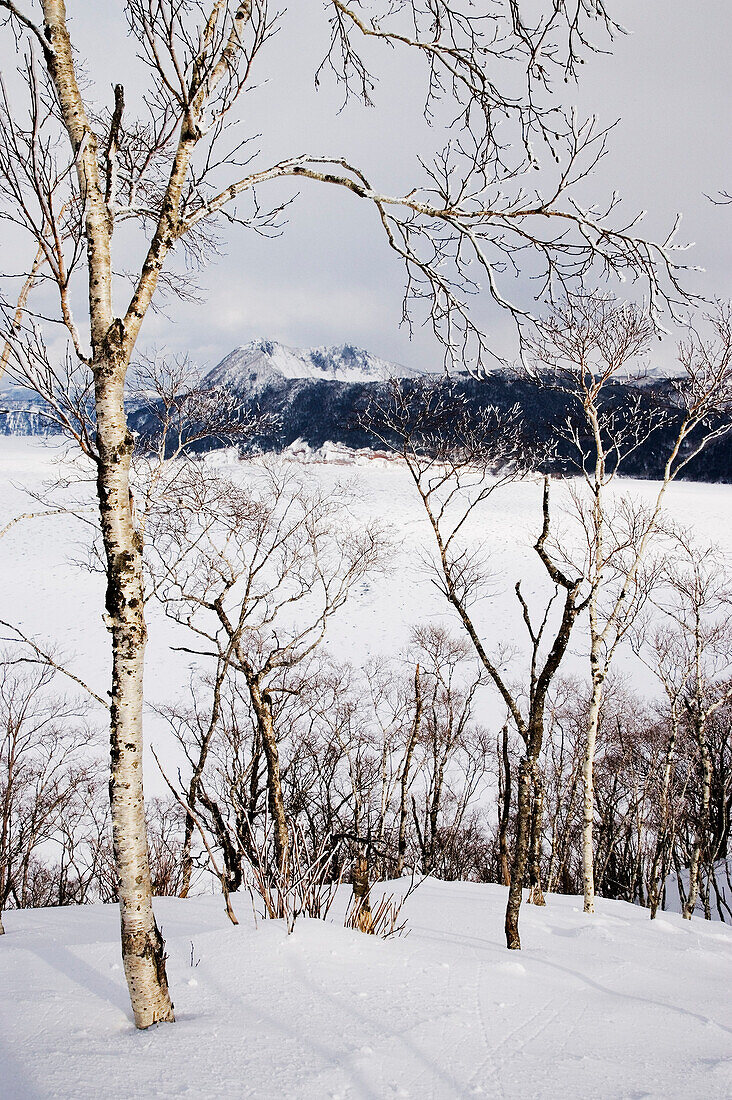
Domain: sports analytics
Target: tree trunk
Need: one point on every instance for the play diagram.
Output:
(596, 672)
(4, 855)
(262, 705)
(520, 855)
(588, 795)
(187, 858)
(551, 876)
(434, 810)
(703, 827)
(659, 855)
(558, 872)
(361, 889)
(404, 781)
(504, 784)
(704, 890)
(536, 895)
(143, 949)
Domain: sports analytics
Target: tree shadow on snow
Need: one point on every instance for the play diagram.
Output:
(322, 991)
(59, 958)
(13, 1081)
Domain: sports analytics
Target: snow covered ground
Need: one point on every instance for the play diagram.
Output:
(50, 595)
(618, 1006)
(614, 1006)
(46, 591)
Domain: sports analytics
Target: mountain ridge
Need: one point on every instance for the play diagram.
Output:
(265, 362)
(316, 395)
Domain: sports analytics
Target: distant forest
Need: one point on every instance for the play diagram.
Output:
(319, 411)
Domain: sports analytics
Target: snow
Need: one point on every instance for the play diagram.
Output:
(338, 453)
(49, 594)
(611, 1006)
(615, 1006)
(263, 362)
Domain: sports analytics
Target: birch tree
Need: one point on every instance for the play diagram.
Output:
(586, 344)
(257, 576)
(73, 171)
(457, 461)
(693, 664)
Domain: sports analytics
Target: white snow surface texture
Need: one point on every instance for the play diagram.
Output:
(611, 1006)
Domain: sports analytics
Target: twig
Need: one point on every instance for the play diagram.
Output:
(48, 659)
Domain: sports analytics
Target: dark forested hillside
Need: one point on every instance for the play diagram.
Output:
(319, 410)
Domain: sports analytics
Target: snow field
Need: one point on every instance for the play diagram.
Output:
(54, 600)
(613, 1007)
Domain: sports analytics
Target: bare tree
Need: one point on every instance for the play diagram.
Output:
(257, 575)
(691, 659)
(625, 787)
(405, 770)
(450, 683)
(44, 764)
(205, 727)
(73, 172)
(587, 343)
(222, 795)
(658, 650)
(456, 462)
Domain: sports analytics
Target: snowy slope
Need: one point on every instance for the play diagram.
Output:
(613, 1007)
(618, 1006)
(263, 363)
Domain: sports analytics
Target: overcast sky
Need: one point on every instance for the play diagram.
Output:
(331, 279)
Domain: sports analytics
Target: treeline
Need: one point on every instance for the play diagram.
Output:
(389, 762)
(320, 411)
(297, 772)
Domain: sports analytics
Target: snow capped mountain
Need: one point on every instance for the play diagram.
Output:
(263, 363)
(316, 396)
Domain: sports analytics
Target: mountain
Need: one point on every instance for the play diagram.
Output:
(21, 413)
(314, 397)
(263, 363)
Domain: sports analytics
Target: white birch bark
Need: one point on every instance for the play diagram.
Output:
(596, 662)
(588, 796)
(659, 856)
(143, 952)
